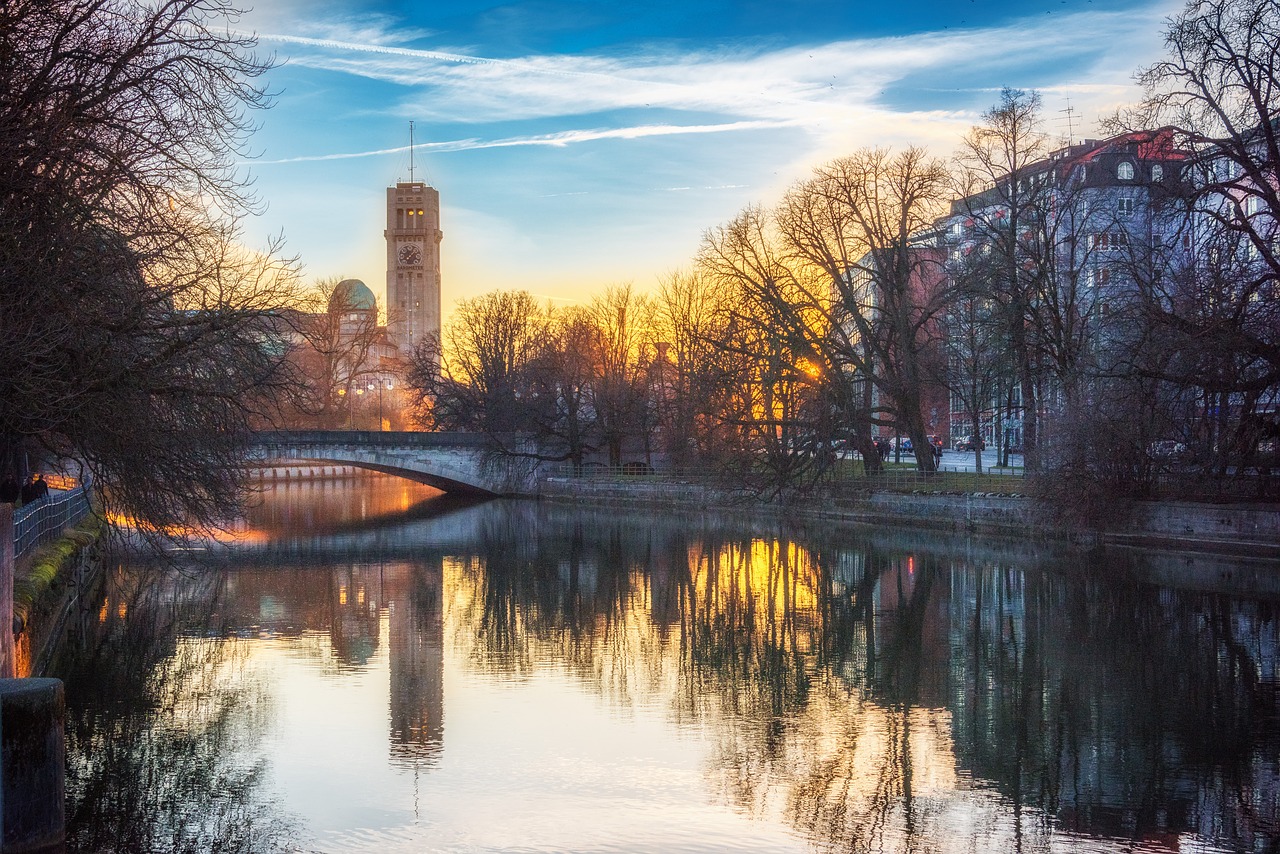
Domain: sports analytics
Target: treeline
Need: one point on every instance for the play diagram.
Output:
(1108, 333)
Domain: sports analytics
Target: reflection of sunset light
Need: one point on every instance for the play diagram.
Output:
(342, 594)
(360, 594)
(122, 609)
(178, 532)
(777, 576)
(102, 614)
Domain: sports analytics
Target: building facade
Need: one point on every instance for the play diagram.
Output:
(1080, 227)
(413, 263)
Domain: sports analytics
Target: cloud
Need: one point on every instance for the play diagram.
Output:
(807, 83)
(557, 139)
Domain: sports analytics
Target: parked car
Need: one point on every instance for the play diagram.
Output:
(969, 443)
(1166, 449)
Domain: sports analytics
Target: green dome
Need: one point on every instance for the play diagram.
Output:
(353, 295)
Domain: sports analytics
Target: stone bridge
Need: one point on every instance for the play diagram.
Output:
(467, 463)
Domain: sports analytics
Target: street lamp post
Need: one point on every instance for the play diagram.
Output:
(379, 403)
(380, 384)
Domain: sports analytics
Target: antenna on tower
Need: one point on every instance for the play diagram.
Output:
(411, 151)
(1070, 112)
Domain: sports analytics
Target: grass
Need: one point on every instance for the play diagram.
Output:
(45, 569)
(905, 477)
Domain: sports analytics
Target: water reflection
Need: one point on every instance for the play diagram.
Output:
(763, 687)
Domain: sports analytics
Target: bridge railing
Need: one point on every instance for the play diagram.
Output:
(41, 521)
(379, 438)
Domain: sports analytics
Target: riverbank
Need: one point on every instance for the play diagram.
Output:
(49, 586)
(1251, 530)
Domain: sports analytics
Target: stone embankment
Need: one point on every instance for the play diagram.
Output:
(1239, 529)
(50, 586)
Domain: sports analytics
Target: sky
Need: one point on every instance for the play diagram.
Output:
(579, 144)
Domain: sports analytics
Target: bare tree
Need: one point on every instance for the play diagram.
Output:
(622, 320)
(479, 380)
(563, 376)
(976, 347)
(337, 353)
(138, 341)
(1219, 92)
(1004, 202)
(858, 221)
(773, 345)
(692, 392)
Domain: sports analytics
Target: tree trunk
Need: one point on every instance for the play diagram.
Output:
(976, 437)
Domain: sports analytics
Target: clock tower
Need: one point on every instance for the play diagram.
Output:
(413, 263)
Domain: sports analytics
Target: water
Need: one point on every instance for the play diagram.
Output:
(375, 668)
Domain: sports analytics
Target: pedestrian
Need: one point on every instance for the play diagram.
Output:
(42, 486)
(30, 492)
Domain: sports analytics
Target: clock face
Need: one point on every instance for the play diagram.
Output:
(409, 254)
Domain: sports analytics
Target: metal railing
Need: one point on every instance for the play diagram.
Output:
(43, 520)
(844, 475)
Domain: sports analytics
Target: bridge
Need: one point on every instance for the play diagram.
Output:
(465, 463)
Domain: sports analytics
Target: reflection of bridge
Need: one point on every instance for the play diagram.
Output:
(453, 462)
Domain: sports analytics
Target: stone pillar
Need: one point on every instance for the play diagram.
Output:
(32, 798)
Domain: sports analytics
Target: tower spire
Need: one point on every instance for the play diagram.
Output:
(410, 151)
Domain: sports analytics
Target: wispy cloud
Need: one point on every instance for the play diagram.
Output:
(559, 138)
(787, 84)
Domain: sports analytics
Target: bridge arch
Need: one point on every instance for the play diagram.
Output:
(459, 463)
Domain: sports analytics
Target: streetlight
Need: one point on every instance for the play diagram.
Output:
(380, 384)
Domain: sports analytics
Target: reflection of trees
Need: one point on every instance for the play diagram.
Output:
(1120, 709)
(159, 730)
(851, 687)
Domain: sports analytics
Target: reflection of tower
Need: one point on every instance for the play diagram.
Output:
(354, 630)
(417, 661)
(413, 263)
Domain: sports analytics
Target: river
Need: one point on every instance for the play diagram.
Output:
(370, 666)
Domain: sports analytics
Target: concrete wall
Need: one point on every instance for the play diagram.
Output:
(1205, 525)
(1242, 529)
(31, 766)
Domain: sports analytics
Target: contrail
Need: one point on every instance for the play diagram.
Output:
(560, 139)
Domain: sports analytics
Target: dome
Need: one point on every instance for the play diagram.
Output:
(353, 295)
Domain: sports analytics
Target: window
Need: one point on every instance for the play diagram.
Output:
(1106, 240)
(1125, 171)
(1157, 172)
(1124, 207)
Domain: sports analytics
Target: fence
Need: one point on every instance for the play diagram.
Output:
(40, 521)
(844, 474)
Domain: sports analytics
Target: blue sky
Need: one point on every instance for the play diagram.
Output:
(578, 145)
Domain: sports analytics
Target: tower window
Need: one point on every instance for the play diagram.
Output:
(1157, 172)
(1125, 171)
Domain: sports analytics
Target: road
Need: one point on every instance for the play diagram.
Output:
(963, 460)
